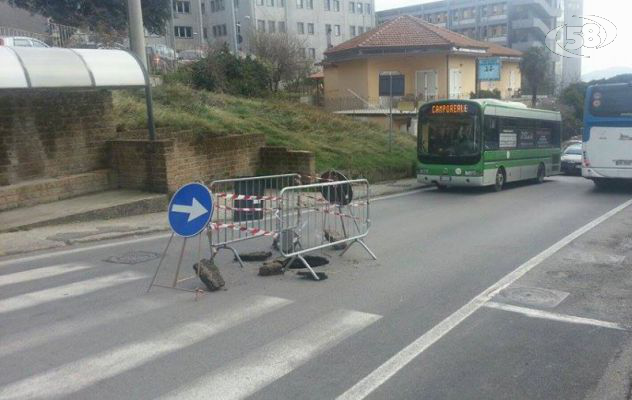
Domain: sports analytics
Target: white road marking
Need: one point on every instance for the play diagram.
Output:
(41, 335)
(387, 370)
(66, 291)
(245, 376)
(40, 273)
(75, 376)
(534, 313)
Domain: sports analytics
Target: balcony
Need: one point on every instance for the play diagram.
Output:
(500, 18)
(531, 23)
(542, 4)
(524, 46)
(498, 39)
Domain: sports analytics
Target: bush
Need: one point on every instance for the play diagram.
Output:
(224, 72)
(486, 94)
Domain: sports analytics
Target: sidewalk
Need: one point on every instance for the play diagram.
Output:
(58, 236)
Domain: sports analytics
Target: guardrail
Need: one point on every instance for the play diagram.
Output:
(246, 208)
(299, 218)
(324, 215)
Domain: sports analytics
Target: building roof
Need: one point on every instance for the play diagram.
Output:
(502, 51)
(411, 32)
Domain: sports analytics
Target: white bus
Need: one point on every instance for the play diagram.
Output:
(607, 134)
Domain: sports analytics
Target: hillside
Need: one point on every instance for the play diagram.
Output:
(358, 148)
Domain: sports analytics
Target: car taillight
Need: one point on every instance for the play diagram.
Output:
(1, 42)
(585, 160)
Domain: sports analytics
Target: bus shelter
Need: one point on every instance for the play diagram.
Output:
(74, 69)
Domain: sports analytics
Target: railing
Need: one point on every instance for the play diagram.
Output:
(58, 35)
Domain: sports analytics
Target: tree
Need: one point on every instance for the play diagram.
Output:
(536, 70)
(98, 15)
(283, 54)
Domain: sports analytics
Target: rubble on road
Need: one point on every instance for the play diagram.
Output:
(209, 275)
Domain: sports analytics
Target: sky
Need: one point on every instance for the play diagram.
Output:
(616, 54)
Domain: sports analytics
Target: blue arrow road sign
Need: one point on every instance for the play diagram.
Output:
(191, 209)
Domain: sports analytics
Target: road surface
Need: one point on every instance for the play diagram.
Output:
(426, 321)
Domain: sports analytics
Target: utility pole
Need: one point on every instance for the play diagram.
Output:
(136, 30)
(390, 112)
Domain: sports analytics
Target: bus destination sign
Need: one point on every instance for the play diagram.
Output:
(450, 109)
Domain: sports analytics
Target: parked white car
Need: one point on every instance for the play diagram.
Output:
(572, 159)
(21, 41)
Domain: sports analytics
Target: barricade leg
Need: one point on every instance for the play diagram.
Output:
(361, 244)
(309, 267)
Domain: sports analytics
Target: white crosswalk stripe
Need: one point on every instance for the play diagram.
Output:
(40, 273)
(75, 376)
(38, 336)
(251, 373)
(66, 291)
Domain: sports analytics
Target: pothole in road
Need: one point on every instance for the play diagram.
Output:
(532, 296)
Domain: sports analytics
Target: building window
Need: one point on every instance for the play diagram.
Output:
(299, 4)
(300, 28)
(327, 5)
(236, 4)
(183, 32)
(352, 7)
(271, 26)
(360, 30)
(203, 8)
(336, 5)
(205, 33)
(312, 54)
(281, 3)
(337, 30)
(259, 2)
(360, 8)
(182, 7)
(368, 8)
(217, 5)
(309, 4)
(270, 3)
(352, 31)
(310, 29)
(328, 29)
(261, 25)
(282, 27)
(304, 52)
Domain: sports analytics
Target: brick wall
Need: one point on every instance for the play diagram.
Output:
(47, 134)
(165, 165)
(279, 160)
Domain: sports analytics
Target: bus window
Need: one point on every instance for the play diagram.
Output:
(491, 133)
(547, 134)
(611, 101)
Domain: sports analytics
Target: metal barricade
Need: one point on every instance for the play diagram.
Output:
(323, 215)
(246, 208)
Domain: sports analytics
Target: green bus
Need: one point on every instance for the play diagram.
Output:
(486, 142)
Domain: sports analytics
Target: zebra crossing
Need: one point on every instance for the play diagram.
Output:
(243, 375)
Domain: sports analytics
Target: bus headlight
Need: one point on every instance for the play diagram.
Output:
(472, 173)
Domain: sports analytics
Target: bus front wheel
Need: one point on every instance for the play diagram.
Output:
(440, 187)
(500, 180)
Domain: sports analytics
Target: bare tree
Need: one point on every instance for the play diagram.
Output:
(283, 54)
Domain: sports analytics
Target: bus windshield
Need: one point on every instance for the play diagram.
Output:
(611, 101)
(449, 136)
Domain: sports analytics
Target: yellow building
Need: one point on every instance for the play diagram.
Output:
(419, 61)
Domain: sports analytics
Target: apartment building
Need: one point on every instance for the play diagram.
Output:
(320, 24)
(572, 67)
(518, 24)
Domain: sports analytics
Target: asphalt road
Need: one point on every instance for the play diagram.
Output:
(412, 325)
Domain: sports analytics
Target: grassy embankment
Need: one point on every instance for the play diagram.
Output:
(357, 148)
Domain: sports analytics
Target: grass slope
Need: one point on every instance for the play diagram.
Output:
(360, 149)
